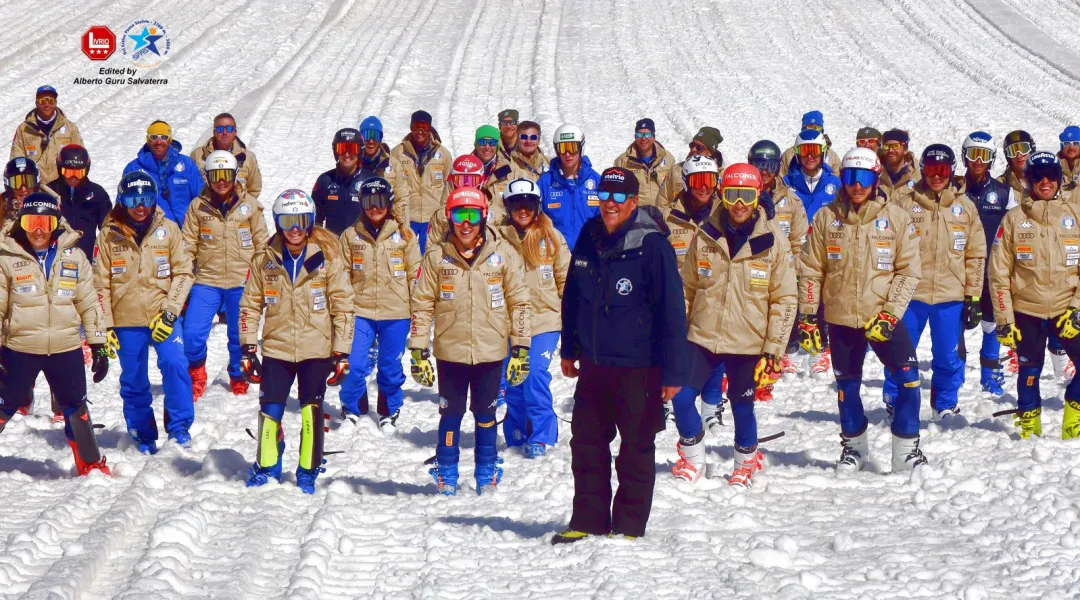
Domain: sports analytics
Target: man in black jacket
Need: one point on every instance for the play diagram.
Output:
(83, 203)
(624, 327)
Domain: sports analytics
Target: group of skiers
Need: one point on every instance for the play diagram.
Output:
(500, 253)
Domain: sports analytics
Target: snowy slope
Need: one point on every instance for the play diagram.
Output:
(993, 517)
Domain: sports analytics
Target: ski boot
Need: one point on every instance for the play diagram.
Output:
(763, 393)
(351, 417)
(387, 421)
(84, 446)
(4, 418)
(669, 412)
(822, 364)
(691, 464)
(568, 536)
(992, 381)
(854, 453)
(747, 462)
(535, 449)
(182, 437)
(488, 475)
(789, 366)
(1029, 422)
(1070, 421)
(313, 428)
(198, 381)
(906, 454)
(238, 386)
(1011, 362)
(1063, 367)
(446, 478)
(271, 448)
(712, 417)
(943, 414)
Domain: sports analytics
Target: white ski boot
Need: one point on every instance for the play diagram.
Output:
(1063, 367)
(855, 453)
(691, 464)
(746, 464)
(906, 454)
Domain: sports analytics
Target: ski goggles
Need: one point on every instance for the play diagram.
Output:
(467, 180)
(300, 221)
(157, 137)
(616, 197)
(371, 134)
(644, 134)
(22, 180)
(224, 128)
(136, 200)
(459, 215)
(420, 127)
(46, 100)
(740, 195)
(568, 147)
(219, 175)
(860, 177)
(894, 146)
(983, 155)
(376, 201)
(702, 180)
(46, 223)
(72, 173)
(942, 170)
(520, 201)
(342, 148)
(770, 165)
(867, 143)
(530, 137)
(814, 127)
(1018, 148)
(1036, 174)
(490, 142)
(809, 149)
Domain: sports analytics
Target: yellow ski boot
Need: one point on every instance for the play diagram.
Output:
(1030, 423)
(1070, 422)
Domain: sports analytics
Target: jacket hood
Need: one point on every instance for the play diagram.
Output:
(555, 167)
(797, 180)
(646, 219)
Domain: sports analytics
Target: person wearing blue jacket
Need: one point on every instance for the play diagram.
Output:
(624, 332)
(178, 178)
(568, 188)
(812, 179)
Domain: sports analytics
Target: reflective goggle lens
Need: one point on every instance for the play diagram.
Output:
(468, 180)
(770, 165)
(371, 134)
(867, 143)
(377, 201)
(217, 175)
(67, 172)
(302, 221)
(617, 197)
(861, 177)
(1018, 148)
(1037, 174)
(22, 180)
(983, 155)
(421, 127)
(937, 170)
(45, 223)
(809, 150)
(893, 146)
(466, 214)
(814, 127)
(137, 200)
(643, 134)
(487, 142)
(46, 100)
(516, 203)
(567, 147)
(530, 137)
(352, 148)
(737, 195)
(702, 180)
(224, 128)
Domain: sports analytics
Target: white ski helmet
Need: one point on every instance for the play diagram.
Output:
(219, 160)
(294, 208)
(861, 158)
(520, 190)
(568, 133)
(699, 164)
(979, 139)
(809, 137)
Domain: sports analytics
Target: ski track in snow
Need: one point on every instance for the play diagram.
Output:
(991, 517)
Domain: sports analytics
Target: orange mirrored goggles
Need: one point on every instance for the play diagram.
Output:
(568, 147)
(46, 100)
(352, 148)
(808, 150)
(46, 223)
(867, 143)
(218, 175)
(70, 173)
(740, 195)
(702, 180)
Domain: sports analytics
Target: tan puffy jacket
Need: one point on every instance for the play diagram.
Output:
(902, 189)
(791, 218)
(135, 282)
(1034, 261)
(221, 246)
(528, 168)
(682, 226)
(474, 308)
(439, 225)
(831, 159)
(42, 149)
(744, 304)
(383, 270)
(650, 175)
(1018, 184)
(951, 243)
(859, 262)
(427, 181)
(670, 189)
(43, 316)
(248, 175)
(545, 281)
(1071, 173)
(309, 318)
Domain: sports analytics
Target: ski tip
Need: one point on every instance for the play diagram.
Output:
(430, 461)
(770, 438)
(1002, 413)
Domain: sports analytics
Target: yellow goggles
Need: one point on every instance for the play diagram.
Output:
(218, 175)
(567, 147)
(740, 195)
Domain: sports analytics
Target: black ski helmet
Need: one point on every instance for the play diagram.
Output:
(73, 156)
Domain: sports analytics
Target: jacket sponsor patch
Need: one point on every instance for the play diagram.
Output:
(833, 253)
(1024, 253)
(704, 268)
(24, 278)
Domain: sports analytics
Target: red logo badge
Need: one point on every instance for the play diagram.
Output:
(98, 43)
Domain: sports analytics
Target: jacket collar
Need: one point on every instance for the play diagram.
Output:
(847, 212)
(313, 258)
(761, 237)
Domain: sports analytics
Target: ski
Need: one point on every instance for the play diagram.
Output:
(770, 438)
(1002, 413)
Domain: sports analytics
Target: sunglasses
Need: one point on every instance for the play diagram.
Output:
(860, 177)
(702, 180)
(937, 170)
(138, 199)
(376, 201)
(157, 137)
(46, 100)
(644, 134)
(224, 128)
(516, 203)
(1070, 145)
(740, 195)
(893, 146)
(532, 137)
(219, 175)
(508, 123)
(467, 180)
(421, 127)
(568, 147)
(809, 150)
(489, 142)
(460, 215)
(983, 155)
(771, 165)
(616, 197)
(1017, 148)
(867, 143)
(46, 223)
(22, 180)
(70, 173)
(301, 222)
(698, 148)
(814, 127)
(342, 148)
(371, 134)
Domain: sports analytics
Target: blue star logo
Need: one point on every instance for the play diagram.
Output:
(146, 40)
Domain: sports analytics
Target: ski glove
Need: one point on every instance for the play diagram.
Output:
(421, 369)
(1068, 324)
(161, 326)
(881, 327)
(250, 367)
(339, 365)
(972, 313)
(112, 343)
(517, 368)
(99, 364)
(1009, 334)
(768, 370)
(810, 334)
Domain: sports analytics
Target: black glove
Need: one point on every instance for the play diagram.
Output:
(339, 368)
(972, 313)
(250, 367)
(99, 365)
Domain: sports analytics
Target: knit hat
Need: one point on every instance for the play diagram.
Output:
(487, 131)
(645, 123)
(159, 128)
(895, 135)
(618, 180)
(710, 137)
(813, 118)
(421, 116)
(371, 124)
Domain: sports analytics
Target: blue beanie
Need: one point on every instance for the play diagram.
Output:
(370, 123)
(1071, 134)
(813, 117)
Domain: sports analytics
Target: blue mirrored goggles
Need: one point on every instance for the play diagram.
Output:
(137, 200)
(224, 128)
(371, 134)
(618, 197)
(862, 177)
